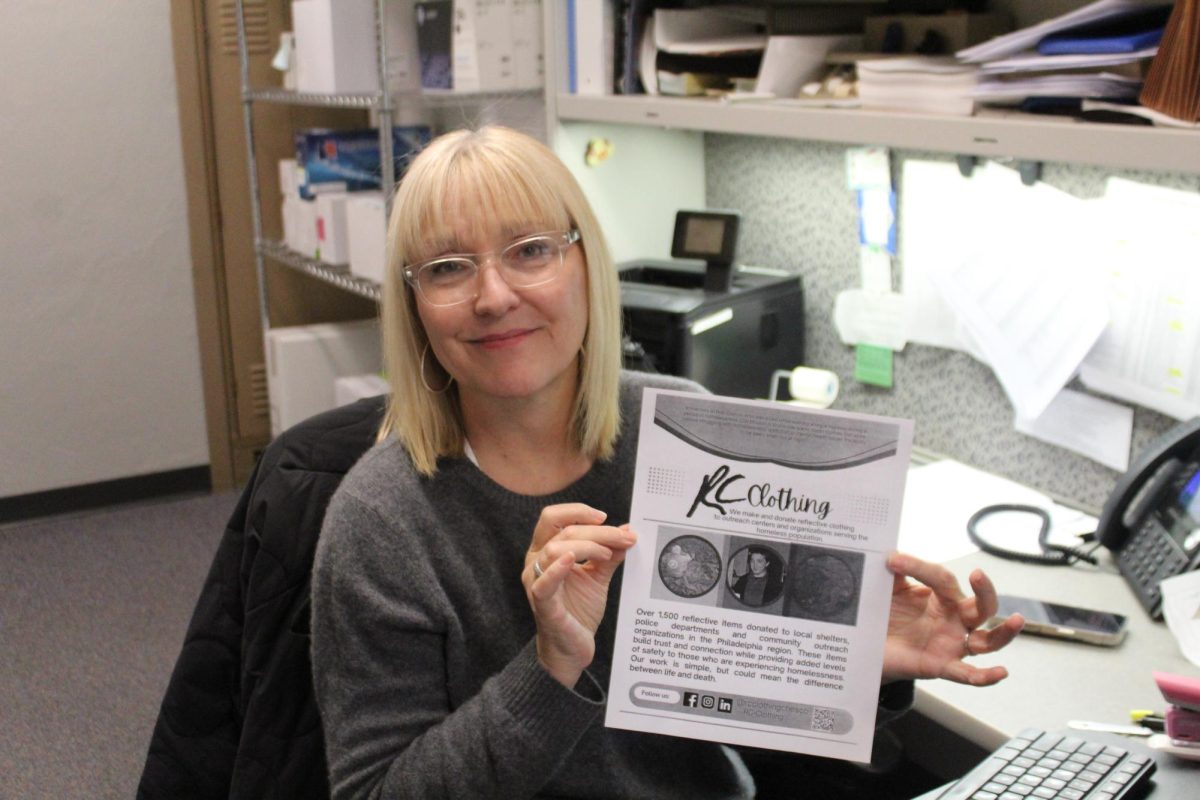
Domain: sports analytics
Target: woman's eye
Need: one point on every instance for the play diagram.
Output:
(444, 269)
(527, 251)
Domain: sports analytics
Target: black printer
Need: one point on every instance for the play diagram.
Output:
(730, 340)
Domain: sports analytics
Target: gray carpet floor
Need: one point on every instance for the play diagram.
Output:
(93, 609)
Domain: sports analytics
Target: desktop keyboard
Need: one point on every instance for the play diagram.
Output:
(1035, 764)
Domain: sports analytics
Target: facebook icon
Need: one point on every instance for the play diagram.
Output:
(690, 699)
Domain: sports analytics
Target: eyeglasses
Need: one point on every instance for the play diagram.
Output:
(523, 263)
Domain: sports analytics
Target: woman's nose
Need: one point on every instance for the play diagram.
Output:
(495, 295)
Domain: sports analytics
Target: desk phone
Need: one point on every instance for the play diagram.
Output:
(1151, 521)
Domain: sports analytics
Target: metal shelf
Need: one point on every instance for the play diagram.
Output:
(289, 97)
(436, 97)
(994, 135)
(449, 97)
(335, 275)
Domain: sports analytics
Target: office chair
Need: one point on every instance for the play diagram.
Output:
(239, 719)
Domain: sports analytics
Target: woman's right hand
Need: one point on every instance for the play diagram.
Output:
(577, 555)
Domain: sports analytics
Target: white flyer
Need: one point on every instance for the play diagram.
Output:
(755, 605)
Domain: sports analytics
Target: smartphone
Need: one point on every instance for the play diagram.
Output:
(1064, 622)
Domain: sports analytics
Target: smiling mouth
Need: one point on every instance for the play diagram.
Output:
(502, 339)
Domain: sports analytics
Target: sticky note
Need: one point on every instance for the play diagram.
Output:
(873, 365)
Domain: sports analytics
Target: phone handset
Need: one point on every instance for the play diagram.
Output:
(1149, 493)
(1136, 494)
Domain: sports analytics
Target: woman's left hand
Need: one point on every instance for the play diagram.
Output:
(933, 626)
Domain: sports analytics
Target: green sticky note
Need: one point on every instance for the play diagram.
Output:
(873, 365)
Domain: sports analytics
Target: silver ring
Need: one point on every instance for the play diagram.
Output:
(537, 568)
(967, 645)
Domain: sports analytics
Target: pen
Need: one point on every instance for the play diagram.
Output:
(1148, 719)
(1124, 730)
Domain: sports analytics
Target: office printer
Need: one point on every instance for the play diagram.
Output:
(730, 340)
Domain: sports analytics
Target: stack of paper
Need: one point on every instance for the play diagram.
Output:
(1036, 62)
(1098, 51)
(917, 83)
(702, 49)
(1017, 88)
(1028, 38)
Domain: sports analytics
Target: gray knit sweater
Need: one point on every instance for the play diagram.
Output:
(423, 658)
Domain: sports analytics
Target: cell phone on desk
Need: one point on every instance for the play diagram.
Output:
(1064, 622)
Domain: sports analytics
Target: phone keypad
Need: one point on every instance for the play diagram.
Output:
(1150, 557)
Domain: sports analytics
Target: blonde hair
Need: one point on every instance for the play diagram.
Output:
(511, 180)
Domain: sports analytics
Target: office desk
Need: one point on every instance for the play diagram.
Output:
(1050, 681)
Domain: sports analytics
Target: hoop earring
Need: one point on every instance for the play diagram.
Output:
(424, 382)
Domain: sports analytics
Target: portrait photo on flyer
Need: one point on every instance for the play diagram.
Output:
(754, 608)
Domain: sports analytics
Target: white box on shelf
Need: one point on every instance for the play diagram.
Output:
(403, 61)
(349, 388)
(334, 50)
(300, 225)
(333, 240)
(482, 46)
(591, 48)
(287, 212)
(304, 361)
(291, 176)
(337, 53)
(529, 69)
(366, 226)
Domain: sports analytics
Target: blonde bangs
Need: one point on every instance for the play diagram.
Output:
(479, 193)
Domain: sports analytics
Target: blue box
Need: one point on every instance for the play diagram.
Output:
(351, 158)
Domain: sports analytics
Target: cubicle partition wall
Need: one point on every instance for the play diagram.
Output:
(797, 213)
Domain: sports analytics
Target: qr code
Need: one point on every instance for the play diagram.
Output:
(822, 719)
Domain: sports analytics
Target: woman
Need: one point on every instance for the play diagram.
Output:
(757, 586)
(462, 629)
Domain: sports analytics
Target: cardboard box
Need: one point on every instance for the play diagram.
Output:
(291, 177)
(956, 30)
(334, 51)
(338, 53)
(366, 228)
(300, 225)
(529, 69)
(304, 361)
(351, 158)
(403, 61)
(591, 50)
(333, 238)
(482, 46)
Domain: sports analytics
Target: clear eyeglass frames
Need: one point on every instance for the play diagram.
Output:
(523, 263)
